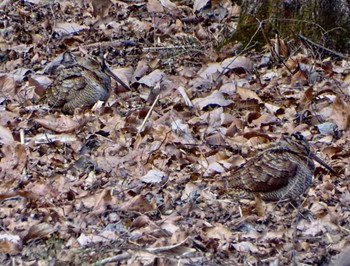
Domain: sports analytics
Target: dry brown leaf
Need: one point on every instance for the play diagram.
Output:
(264, 119)
(139, 222)
(341, 259)
(38, 231)
(199, 4)
(69, 27)
(216, 140)
(190, 191)
(239, 62)
(141, 69)
(101, 7)
(153, 177)
(124, 74)
(13, 161)
(216, 98)
(61, 124)
(138, 203)
(5, 136)
(154, 6)
(259, 206)
(7, 86)
(10, 244)
(218, 231)
(40, 83)
(246, 93)
(245, 246)
(174, 250)
(306, 99)
(168, 4)
(153, 78)
(340, 113)
(101, 204)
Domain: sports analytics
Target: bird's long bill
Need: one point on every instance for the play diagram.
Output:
(116, 78)
(317, 159)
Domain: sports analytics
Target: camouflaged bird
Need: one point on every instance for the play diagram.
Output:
(282, 172)
(77, 84)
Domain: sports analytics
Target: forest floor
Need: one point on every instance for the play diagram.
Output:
(114, 185)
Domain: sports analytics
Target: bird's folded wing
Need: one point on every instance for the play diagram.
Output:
(268, 171)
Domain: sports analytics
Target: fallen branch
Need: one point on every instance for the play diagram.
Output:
(315, 46)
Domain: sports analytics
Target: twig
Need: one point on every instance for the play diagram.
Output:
(109, 44)
(22, 139)
(120, 257)
(314, 46)
(184, 95)
(182, 47)
(148, 114)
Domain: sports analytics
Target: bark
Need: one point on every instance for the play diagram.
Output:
(325, 22)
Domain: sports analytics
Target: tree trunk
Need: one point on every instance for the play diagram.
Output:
(325, 22)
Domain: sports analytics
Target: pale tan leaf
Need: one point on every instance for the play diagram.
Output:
(153, 78)
(199, 4)
(7, 86)
(168, 4)
(45, 138)
(247, 93)
(219, 231)
(238, 62)
(10, 244)
(69, 27)
(340, 113)
(60, 124)
(154, 6)
(190, 190)
(38, 231)
(216, 98)
(153, 176)
(5, 136)
(246, 247)
(101, 7)
(174, 250)
(138, 203)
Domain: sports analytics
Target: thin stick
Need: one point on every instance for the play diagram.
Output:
(22, 139)
(182, 47)
(120, 257)
(148, 114)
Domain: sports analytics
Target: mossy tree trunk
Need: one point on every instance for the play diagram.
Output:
(326, 22)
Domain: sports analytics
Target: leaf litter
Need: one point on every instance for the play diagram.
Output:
(135, 181)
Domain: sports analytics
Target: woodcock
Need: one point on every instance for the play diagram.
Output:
(79, 84)
(282, 172)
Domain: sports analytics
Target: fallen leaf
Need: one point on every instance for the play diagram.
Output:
(153, 177)
(138, 203)
(153, 78)
(59, 124)
(68, 28)
(5, 136)
(216, 98)
(154, 6)
(38, 231)
(7, 86)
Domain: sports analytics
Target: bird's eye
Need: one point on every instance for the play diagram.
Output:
(298, 136)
